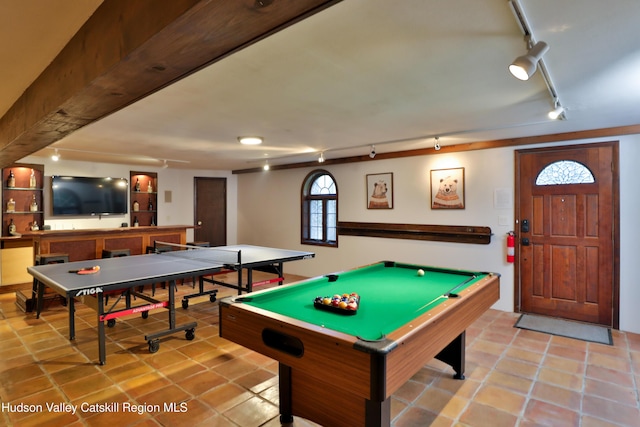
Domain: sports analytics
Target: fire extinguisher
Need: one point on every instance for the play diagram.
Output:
(511, 246)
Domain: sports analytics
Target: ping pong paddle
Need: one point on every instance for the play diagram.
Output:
(86, 270)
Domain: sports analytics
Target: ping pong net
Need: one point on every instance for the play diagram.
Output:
(229, 258)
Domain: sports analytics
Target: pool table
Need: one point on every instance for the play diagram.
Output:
(339, 367)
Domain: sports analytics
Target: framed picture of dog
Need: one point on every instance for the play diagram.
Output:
(380, 191)
(447, 188)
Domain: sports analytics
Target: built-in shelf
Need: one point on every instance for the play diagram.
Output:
(140, 182)
(22, 194)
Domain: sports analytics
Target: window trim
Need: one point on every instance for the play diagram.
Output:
(305, 199)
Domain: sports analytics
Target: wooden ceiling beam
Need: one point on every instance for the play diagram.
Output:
(128, 50)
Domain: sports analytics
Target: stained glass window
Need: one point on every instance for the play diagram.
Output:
(565, 172)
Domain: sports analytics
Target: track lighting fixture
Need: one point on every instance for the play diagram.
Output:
(56, 155)
(436, 146)
(165, 164)
(266, 165)
(524, 66)
(558, 112)
(321, 158)
(372, 153)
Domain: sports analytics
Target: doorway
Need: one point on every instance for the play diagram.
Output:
(567, 238)
(210, 200)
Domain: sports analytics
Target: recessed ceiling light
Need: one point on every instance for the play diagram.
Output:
(250, 140)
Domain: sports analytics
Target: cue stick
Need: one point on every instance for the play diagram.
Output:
(447, 294)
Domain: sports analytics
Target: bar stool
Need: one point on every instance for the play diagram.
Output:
(38, 288)
(116, 253)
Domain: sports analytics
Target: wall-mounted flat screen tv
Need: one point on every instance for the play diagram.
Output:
(84, 196)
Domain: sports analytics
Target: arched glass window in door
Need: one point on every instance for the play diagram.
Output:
(565, 172)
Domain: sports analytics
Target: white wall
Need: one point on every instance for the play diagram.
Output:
(269, 215)
(179, 211)
(264, 208)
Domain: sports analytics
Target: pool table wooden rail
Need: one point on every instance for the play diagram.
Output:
(335, 370)
(323, 347)
(432, 332)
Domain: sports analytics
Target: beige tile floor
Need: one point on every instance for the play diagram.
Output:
(514, 377)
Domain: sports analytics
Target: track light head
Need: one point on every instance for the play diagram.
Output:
(372, 153)
(556, 113)
(266, 166)
(321, 158)
(436, 146)
(524, 66)
(56, 156)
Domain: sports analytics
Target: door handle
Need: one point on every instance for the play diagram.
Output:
(524, 226)
(199, 222)
(524, 241)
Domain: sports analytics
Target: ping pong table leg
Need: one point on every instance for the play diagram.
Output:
(71, 305)
(249, 279)
(280, 273)
(172, 304)
(40, 299)
(102, 350)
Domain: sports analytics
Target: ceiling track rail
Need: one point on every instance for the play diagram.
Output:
(525, 27)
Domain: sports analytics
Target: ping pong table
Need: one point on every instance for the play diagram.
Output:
(124, 275)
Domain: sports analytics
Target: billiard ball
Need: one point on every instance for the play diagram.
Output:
(326, 301)
(420, 272)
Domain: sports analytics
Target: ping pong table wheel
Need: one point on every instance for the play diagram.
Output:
(145, 314)
(185, 303)
(154, 346)
(111, 323)
(190, 334)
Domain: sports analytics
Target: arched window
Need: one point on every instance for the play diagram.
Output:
(319, 209)
(565, 172)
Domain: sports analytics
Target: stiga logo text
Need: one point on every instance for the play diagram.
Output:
(90, 291)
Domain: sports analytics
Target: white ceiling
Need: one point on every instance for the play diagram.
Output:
(395, 74)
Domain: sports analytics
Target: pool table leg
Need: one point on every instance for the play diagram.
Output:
(286, 410)
(378, 413)
(454, 355)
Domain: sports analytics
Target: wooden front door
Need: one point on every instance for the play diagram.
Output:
(211, 210)
(566, 250)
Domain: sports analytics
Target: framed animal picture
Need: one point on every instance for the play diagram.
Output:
(380, 191)
(447, 188)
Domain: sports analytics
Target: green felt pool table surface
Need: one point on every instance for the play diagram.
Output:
(391, 295)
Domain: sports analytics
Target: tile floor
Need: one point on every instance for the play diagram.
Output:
(514, 377)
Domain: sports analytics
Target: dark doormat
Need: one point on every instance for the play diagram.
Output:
(565, 328)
